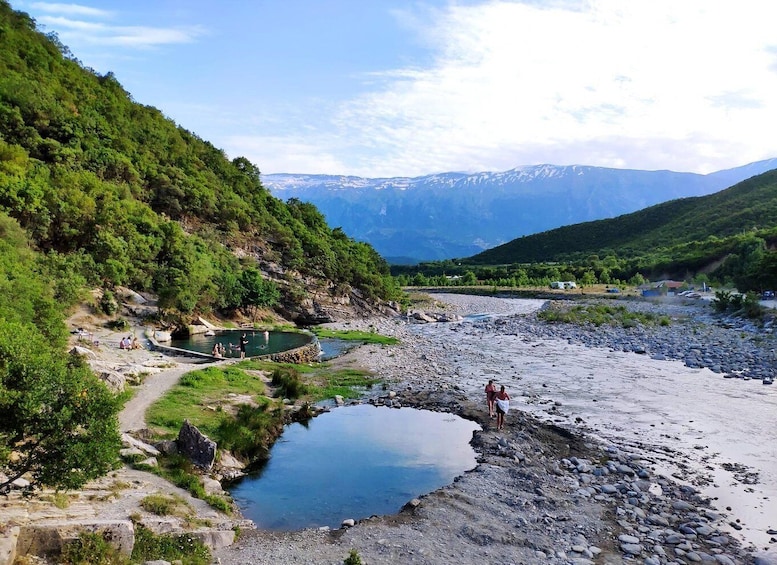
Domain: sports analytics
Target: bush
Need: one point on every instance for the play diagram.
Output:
(92, 549)
(160, 504)
(251, 431)
(353, 558)
(108, 303)
(288, 383)
(183, 547)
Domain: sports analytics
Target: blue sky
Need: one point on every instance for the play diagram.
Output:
(412, 87)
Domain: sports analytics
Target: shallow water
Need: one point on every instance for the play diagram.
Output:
(333, 347)
(354, 462)
(722, 429)
(258, 344)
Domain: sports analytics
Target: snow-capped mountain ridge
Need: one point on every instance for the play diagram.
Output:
(447, 215)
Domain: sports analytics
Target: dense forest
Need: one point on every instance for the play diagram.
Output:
(728, 237)
(111, 193)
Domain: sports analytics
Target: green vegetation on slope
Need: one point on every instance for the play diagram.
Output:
(748, 207)
(57, 420)
(113, 192)
(728, 237)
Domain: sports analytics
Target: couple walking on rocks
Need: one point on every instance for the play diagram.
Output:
(498, 403)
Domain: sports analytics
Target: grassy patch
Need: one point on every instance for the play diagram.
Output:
(92, 549)
(348, 383)
(252, 431)
(180, 471)
(182, 548)
(196, 398)
(165, 505)
(354, 335)
(600, 315)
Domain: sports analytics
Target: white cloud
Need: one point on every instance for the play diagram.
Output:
(86, 25)
(640, 84)
(70, 9)
(133, 36)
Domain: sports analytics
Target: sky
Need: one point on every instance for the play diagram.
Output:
(385, 88)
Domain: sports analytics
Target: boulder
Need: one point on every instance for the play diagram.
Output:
(229, 467)
(8, 545)
(196, 446)
(211, 486)
(215, 539)
(129, 441)
(114, 380)
(168, 446)
(83, 351)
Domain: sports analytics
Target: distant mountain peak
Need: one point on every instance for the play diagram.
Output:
(455, 214)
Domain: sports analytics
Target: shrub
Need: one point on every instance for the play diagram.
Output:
(353, 558)
(288, 383)
(108, 304)
(160, 504)
(92, 549)
(183, 547)
(251, 431)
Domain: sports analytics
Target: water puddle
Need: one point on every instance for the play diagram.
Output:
(334, 347)
(355, 462)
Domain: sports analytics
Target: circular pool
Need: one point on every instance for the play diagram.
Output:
(259, 342)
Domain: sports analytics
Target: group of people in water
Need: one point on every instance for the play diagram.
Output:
(498, 403)
(219, 350)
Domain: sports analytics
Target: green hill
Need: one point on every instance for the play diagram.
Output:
(673, 238)
(111, 192)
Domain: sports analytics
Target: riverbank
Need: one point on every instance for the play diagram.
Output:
(600, 463)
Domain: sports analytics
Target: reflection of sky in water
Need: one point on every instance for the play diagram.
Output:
(355, 462)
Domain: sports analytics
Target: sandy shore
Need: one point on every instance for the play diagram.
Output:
(611, 457)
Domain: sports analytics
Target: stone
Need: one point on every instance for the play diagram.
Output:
(8, 543)
(49, 539)
(211, 486)
(83, 352)
(130, 441)
(215, 539)
(196, 446)
(168, 447)
(631, 548)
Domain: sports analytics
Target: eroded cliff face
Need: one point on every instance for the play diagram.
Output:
(324, 305)
(307, 301)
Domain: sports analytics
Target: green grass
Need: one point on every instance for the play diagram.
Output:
(197, 394)
(354, 335)
(165, 505)
(169, 547)
(348, 383)
(600, 315)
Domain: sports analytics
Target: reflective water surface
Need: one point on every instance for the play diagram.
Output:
(259, 342)
(354, 462)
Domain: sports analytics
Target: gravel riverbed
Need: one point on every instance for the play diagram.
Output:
(624, 446)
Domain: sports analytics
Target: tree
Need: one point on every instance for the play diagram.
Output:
(57, 420)
(257, 291)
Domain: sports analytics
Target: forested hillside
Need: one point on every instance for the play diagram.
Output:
(734, 231)
(113, 193)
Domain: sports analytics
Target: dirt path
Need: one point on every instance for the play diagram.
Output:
(133, 415)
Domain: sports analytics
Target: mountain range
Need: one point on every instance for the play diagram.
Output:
(450, 215)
